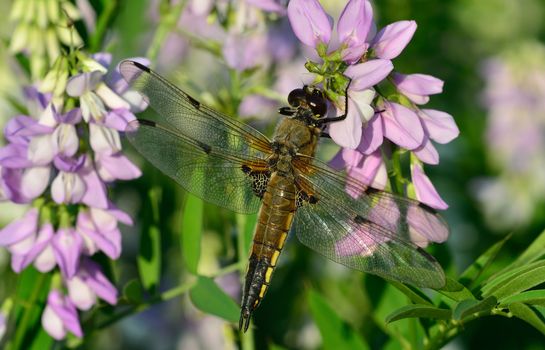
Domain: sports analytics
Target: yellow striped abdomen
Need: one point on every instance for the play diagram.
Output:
(273, 224)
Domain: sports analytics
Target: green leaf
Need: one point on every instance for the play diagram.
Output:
(531, 297)
(525, 313)
(535, 251)
(336, 333)
(414, 295)
(522, 281)
(31, 296)
(455, 290)
(249, 229)
(41, 341)
(191, 232)
(475, 270)
(133, 291)
(273, 346)
(209, 298)
(419, 310)
(149, 256)
(469, 307)
(499, 279)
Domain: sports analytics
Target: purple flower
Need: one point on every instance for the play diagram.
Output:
(257, 106)
(268, 6)
(440, 126)
(369, 169)
(353, 28)
(95, 195)
(366, 75)
(19, 235)
(65, 138)
(99, 230)
(67, 247)
(309, 22)
(41, 252)
(60, 316)
(242, 52)
(88, 284)
(111, 167)
(50, 144)
(348, 133)
(425, 192)
(3, 325)
(402, 126)
(392, 39)
(68, 186)
(94, 95)
(103, 139)
(359, 242)
(20, 129)
(418, 87)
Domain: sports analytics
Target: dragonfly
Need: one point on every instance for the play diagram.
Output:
(232, 165)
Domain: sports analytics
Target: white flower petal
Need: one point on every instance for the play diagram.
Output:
(53, 324)
(42, 149)
(103, 139)
(45, 262)
(110, 98)
(35, 181)
(81, 295)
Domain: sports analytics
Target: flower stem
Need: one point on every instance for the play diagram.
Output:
(168, 22)
(106, 17)
(246, 338)
(28, 305)
(453, 328)
(165, 296)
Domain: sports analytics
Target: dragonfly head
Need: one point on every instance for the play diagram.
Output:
(309, 99)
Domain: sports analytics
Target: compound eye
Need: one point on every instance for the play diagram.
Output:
(295, 97)
(317, 103)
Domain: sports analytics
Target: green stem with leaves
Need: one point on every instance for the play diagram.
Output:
(453, 327)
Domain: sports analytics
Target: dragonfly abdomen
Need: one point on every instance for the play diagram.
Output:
(273, 224)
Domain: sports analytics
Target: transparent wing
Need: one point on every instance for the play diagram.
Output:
(211, 155)
(190, 118)
(366, 229)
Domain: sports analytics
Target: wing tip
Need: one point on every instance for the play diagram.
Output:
(141, 66)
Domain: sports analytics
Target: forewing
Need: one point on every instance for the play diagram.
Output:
(191, 118)
(365, 229)
(211, 155)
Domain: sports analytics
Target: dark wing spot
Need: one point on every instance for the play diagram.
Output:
(426, 254)
(141, 66)
(427, 208)
(246, 169)
(147, 122)
(312, 199)
(194, 102)
(371, 190)
(206, 148)
(360, 220)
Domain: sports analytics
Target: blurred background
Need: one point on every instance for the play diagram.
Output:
(491, 55)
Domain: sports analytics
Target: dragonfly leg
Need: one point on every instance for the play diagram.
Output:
(341, 117)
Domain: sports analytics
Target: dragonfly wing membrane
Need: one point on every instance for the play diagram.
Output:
(369, 232)
(211, 155)
(189, 117)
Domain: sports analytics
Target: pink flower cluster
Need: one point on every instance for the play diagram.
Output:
(61, 163)
(372, 117)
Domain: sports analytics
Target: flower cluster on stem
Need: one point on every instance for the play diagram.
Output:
(60, 160)
(384, 118)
